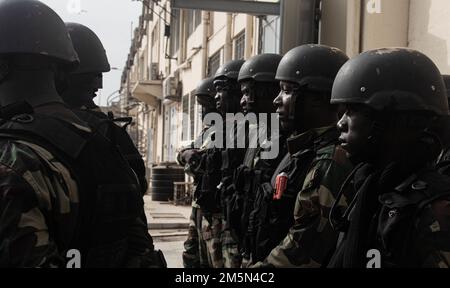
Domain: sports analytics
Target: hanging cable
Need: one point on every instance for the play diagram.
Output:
(164, 8)
(146, 4)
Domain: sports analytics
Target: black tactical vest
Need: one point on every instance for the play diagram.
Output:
(208, 194)
(247, 179)
(106, 126)
(400, 212)
(392, 225)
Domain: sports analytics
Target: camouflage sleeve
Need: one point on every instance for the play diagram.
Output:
(191, 255)
(432, 235)
(311, 240)
(38, 206)
(24, 235)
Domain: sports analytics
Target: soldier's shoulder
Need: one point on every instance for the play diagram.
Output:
(25, 162)
(330, 168)
(436, 198)
(432, 223)
(18, 155)
(333, 153)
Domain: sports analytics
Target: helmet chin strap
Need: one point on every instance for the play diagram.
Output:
(292, 109)
(235, 100)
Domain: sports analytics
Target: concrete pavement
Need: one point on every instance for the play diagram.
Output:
(168, 224)
(165, 215)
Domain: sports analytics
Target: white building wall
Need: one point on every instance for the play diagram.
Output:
(388, 28)
(239, 22)
(429, 30)
(333, 29)
(217, 39)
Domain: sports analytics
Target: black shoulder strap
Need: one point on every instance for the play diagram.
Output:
(439, 187)
(418, 190)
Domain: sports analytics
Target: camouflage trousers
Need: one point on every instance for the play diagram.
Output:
(212, 232)
(195, 254)
(230, 249)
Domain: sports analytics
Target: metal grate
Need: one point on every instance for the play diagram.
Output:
(213, 63)
(239, 46)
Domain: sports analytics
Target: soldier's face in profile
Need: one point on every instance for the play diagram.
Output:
(355, 126)
(285, 104)
(221, 95)
(88, 82)
(248, 97)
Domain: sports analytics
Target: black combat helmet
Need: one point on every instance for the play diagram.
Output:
(206, 88)
(31, 27)
(229, 70)
(311, 66)
(260, 68)
(228, 74)
(205, 93)
(89, 48)
(391, 79)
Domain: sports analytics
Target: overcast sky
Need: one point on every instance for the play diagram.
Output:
(111, 21)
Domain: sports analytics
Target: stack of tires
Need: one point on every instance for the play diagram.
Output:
(162, 179)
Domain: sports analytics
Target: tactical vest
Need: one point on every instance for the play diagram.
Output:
(248, 178)
(231, 159)
(109, 196)
(392, 227)
(106, 126)
(271, 219)
(241, 198)
(400, 212)
(208, 195)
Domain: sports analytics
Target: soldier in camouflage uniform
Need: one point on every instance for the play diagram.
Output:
(195, 254)
(259, 89)
(55, 195)
(228, 99)
(390, 99)
(79, 89)
(308, 179)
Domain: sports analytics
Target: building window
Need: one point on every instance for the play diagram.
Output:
(239, 46)
(188, 123)
(185, 120)
(270, 27)
(175, 32)
(193, 19)
(213, 63)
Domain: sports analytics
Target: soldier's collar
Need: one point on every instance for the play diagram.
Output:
(305, 140)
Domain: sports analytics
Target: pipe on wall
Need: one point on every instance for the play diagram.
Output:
(248, 37)
(228, 47)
